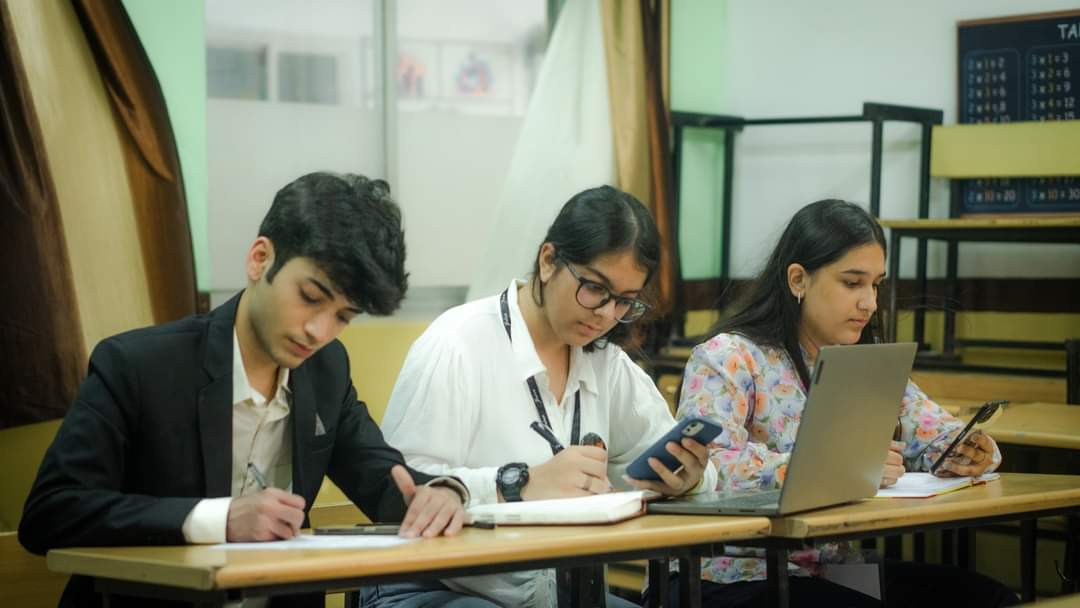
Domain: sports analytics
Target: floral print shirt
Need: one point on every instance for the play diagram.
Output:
(730, 374)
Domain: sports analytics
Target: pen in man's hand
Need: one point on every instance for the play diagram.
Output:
(257, 475)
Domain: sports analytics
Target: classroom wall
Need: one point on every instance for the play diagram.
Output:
(765, 59)
(172, 34)
(451, 157)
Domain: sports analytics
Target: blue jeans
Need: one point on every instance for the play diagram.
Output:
(433, 594)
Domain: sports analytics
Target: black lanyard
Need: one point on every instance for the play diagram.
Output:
(534, 390)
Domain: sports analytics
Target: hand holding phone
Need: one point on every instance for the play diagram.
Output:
(985, 412)
(698, 429)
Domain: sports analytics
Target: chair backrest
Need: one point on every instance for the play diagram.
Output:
(1072, 371)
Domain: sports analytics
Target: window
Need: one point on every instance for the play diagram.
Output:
(293, 90)
(236, 73)
(307, 78)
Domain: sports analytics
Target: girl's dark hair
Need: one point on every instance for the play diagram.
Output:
(819, 234)
(596, 222)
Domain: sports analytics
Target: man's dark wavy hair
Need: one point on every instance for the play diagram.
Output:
(350, 228)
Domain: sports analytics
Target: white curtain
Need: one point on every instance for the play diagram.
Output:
(565, 146)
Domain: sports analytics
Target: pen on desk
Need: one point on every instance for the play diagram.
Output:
(257, 475)
(546, 433)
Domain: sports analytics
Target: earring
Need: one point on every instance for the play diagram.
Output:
(799, 298)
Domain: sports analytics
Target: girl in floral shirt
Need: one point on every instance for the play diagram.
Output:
(818, 288)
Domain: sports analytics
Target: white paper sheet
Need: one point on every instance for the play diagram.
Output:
(925, 485)
(310, 541)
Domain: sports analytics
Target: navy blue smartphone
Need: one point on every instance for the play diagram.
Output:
(698, 429)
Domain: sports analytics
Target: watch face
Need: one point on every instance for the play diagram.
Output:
(511, 476)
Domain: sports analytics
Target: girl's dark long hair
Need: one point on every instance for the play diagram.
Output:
(819, 234)
(596, 222)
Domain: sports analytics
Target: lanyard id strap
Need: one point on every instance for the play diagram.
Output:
(534, 390)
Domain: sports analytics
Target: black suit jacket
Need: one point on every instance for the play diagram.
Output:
(150, 434)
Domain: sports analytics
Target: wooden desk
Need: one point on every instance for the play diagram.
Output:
(213, 576)
(1014, 496)
(1047, 425)
(1050, 425)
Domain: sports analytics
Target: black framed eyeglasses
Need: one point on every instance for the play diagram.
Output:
(593, 295)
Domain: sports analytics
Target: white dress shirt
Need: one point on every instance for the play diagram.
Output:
(461, 407)
(260, 429)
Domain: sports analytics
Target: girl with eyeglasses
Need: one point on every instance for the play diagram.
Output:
(527, 395)
(819, 287)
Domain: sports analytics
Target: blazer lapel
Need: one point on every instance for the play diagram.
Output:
(303, 407)
(215, 402)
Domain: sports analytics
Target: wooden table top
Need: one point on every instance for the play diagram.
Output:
(203, 568)
(1014, 493)
(1050, 425)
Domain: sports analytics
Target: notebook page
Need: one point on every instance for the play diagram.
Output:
(925, 485)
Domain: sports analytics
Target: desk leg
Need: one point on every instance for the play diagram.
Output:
(1071, 567)
(690, 581)
(894, 284)
(1027, 560)
(894, 547)
(776, 561)
(965, 548)
(581, 587)
(920, 281)
(659, 583)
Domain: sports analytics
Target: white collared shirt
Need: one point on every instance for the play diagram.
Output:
(260, 432)
(461, 407)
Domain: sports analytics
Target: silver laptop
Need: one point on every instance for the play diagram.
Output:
(839, 452)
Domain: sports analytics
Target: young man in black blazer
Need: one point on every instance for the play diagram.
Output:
(220, 427)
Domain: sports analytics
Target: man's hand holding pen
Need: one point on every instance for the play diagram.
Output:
(269, 514)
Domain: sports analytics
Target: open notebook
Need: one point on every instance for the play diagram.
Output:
(598, 509)
(925, 485)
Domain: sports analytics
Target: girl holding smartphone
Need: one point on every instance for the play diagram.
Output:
(504, 392)
(819, 287)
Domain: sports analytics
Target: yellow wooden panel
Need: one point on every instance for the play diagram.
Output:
(1018, 149)
(377, 350)
(24, 580)
(21, 451)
